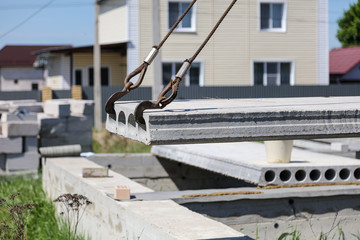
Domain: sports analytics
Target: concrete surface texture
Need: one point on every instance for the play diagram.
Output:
(68, 122)
(266, 215)
(227, 120)
(107, 218)
(247, 161)
(160, 174)
(57, 108)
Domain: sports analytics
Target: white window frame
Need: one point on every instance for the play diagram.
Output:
(187, 78)
(278, 81)
(82, 76)
(283, 21)
(193, 17)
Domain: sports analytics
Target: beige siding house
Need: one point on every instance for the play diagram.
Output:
(74, 66)
(261, 42)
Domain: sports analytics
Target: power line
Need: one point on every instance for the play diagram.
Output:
(27, 19)
(33, 6)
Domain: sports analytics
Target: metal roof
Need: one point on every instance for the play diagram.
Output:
(21, 55)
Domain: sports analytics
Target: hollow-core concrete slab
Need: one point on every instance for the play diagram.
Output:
(229, 120)
(247, 161)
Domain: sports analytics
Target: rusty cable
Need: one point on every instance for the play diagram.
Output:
(128, 85)
(173, 85)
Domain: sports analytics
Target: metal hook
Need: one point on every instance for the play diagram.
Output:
(109, 105)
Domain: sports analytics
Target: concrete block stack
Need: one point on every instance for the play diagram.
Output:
(66, 122)
(19, 142)
(26, 125)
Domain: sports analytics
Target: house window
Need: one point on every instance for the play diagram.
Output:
(175, 10)
(34, 86)
(273, 73)
(193, 77)
(78, 77)
(104, 76)
(272, 16)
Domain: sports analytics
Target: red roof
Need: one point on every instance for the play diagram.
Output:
(342, 60)
(21, 55)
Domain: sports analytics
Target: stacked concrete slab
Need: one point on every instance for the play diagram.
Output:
(26, 125)
(247, 161)
(19, 142)
(66, 122)
(232, 120)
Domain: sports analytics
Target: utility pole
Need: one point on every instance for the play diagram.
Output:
(157, 66)
(97, 72)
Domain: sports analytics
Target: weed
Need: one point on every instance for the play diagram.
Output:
(73, 206)
(294, 235)
(14, 225)
(42, 224)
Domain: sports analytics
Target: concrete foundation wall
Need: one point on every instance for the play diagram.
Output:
(110, 219)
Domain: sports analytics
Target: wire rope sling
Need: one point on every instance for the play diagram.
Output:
(173, 85)
(128, 85)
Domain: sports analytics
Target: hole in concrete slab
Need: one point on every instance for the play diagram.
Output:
(344, 174)
(315, 175)
(330, 174)
(357, 173)
(142, 127)
(276, 225)
(291, 201)
(122, 118)
(269, 176)
(285, 175)
(112, 117)
(131, 120)
(300, 175)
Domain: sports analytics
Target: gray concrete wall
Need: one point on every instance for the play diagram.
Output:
(110, 219)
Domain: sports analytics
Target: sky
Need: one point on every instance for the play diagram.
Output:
(71, 21)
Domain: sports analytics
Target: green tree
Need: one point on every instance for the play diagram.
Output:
(349, 26)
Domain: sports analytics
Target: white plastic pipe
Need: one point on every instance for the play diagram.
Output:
(278, 151)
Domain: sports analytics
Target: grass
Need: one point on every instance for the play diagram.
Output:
(42, 223)
(107, 142)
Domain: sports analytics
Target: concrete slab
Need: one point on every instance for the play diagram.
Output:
(82, 107)
(248, 193)
(35, 107)
(2, 163)
(23, 161)
(79, 123)
(110, 219)
(11, 144)
(19, 128)
(342, 144)
(229, 120)
(57, 108)
(30, 144)
(247, 161)
(10, 117)
(50, 125)
(5, 104)
(84, 138)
